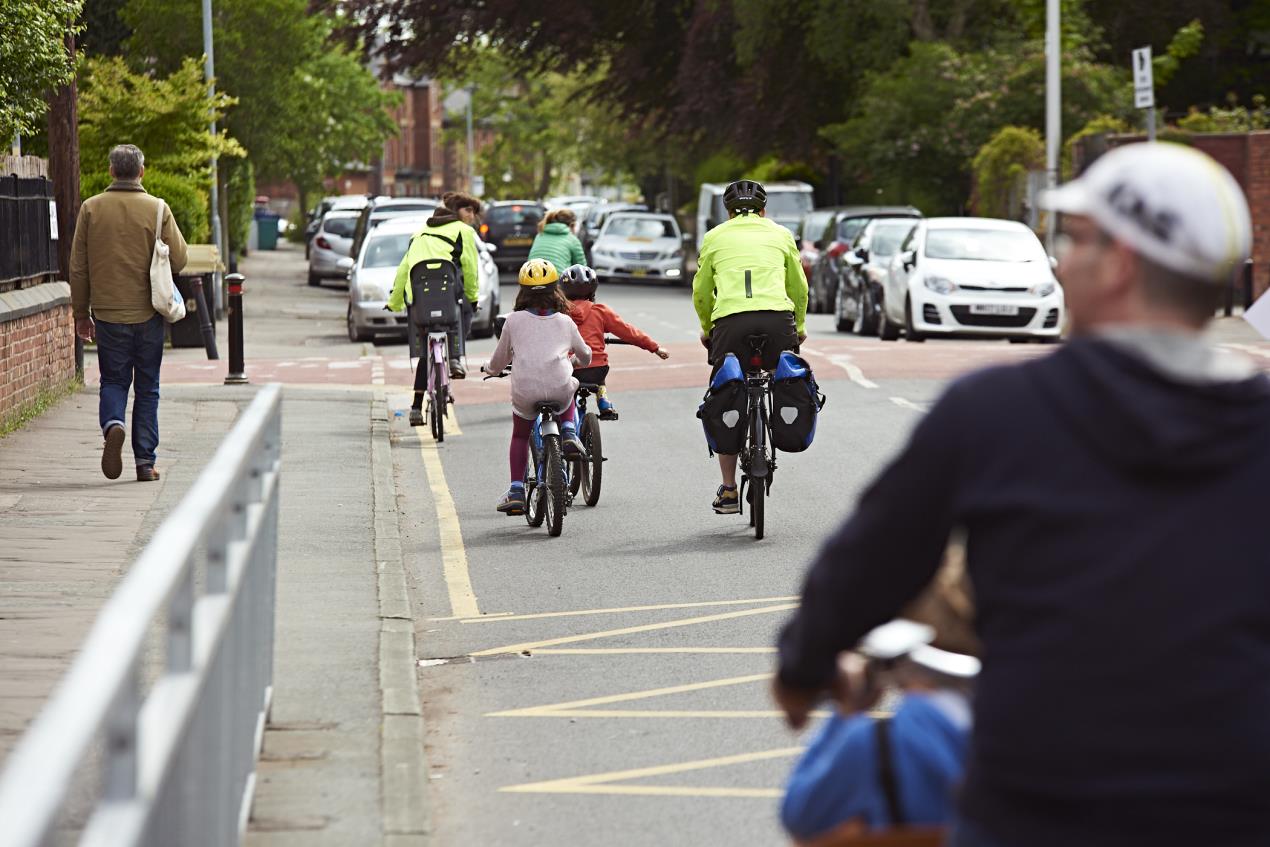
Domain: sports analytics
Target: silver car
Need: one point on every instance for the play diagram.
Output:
(639, 245)
(372, 275)
(331, 242)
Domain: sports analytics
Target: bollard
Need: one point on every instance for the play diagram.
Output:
(234, 282)
(205, 320)
(1248, 284)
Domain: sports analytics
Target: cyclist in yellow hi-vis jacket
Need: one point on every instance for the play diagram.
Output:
(749, 282)
(449, 235)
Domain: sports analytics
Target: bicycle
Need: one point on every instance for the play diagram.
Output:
(434, 284)
(587, 469)
(547, 496)
(758, 464)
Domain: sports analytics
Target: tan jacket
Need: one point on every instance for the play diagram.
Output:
(110, 256)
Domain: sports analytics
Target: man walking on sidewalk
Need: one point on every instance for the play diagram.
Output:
(110, 275)
(1113, 500)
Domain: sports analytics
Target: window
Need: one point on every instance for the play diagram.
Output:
(849, 228)
(515, 215)
(990, 245)
(887, 238)
(788, 203)
(387, 251)
(341, 226)
(629, 227)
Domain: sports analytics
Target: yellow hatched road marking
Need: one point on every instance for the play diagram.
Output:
(602, 783)
(458, 582)
(534, 711)
(636, 651)
(631, 630)
(508, 616)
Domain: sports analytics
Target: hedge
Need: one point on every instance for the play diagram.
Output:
(187, 200)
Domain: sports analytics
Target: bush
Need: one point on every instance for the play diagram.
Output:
(1000, 170)
(187, 200)
(240, 182)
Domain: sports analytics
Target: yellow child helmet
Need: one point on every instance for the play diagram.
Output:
(538, 272)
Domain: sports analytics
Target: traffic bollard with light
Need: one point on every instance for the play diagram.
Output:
(235, 314)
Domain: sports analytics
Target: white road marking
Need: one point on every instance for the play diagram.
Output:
(909, 404)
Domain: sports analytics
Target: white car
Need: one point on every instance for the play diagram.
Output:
(972, 277)
(371, 276)
(639, 245)
(331, 243)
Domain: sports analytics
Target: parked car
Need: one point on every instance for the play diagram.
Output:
(830, 266)
(858, 304)
(576, 202)
(639, 245)
(787, 202)
(510, 225)
(331, 242)
(596, 216)
(328, 204)
(379, 209)
(811, 230)
(972, 276)
(372, 275)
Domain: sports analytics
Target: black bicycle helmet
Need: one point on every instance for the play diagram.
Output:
(579, 282)
(744, 195)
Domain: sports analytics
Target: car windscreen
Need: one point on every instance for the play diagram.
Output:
(888, 237)
(514, 215)
(849, 228)
(387, 251)
(641, 228)
(991, 245)
(814, 225)
(341, 226)
(788, 204)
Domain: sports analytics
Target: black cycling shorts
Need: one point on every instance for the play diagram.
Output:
(592, 376)
(731, 335)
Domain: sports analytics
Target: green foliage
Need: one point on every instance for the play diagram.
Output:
(240, 178)
(1232, 118)
(33, 60)
(167, 117)
(186, 198)
(44, 400)
(1185, 44)
(1000, 170)
(1102, 124)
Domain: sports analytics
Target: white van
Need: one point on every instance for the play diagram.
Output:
(787, 202)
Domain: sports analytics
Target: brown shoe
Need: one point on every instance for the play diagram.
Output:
(112, 453)
(147, 473)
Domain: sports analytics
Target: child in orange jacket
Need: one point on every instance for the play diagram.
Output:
(594, 319)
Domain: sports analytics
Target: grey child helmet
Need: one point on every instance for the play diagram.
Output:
(579, 282)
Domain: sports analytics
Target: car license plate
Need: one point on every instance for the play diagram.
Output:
(639, 272)
(518, 242)
(993, 309)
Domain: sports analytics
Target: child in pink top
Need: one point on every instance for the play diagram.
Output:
(542, 342)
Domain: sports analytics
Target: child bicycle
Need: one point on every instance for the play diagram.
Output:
(547, 495)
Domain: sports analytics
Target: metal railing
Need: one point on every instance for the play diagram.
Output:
(177, 761)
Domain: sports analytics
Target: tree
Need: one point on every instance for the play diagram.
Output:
(167, 117)
(33, 60)
(1001, 167)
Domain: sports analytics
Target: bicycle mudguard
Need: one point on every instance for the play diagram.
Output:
(549, 428)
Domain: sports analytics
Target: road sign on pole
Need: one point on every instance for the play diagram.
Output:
(1144, 87)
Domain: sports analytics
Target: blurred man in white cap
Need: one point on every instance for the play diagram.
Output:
(866, 771)
(1113, 500)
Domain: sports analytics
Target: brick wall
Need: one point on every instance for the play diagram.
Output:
(37, 351)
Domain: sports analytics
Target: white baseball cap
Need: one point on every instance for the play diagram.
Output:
(1169, 202)
(902, 637)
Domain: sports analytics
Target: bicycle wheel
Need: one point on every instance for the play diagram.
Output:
(533, 492)
(553, 484)
(593, 465)
(436, 397)
(758, 490)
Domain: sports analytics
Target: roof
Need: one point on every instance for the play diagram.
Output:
(398, 225)
(633, 213)
(877, 211)
(973, 223)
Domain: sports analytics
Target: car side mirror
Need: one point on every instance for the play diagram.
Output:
(499, 320)
(491, 248)
(345, 264)
(1053, 263)
(862, 253)
(687, 238)
(909, 259)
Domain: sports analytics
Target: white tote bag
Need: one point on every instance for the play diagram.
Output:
(164, 297)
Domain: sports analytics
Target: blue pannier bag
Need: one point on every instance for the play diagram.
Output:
(722, 410)
(796, 403)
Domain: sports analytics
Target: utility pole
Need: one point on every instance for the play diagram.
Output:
(209, 73)
(63, 120)
(1053, 115)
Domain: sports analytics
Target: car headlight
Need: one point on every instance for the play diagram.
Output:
(940, 285)
(368, 292)
(1043, 289)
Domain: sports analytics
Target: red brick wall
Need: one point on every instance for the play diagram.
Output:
(1257, 187)
(36, 352)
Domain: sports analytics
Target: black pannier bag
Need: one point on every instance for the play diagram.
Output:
(796, 403)
(722, 411)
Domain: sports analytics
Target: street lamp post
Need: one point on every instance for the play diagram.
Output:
(1053, 99)
(209, 73)
(471, 166)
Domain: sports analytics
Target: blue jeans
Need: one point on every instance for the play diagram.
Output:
(130, 355)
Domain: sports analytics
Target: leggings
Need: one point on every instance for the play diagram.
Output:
(518, 454)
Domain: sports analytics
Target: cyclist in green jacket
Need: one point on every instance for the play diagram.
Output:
(749, 282)
(448, 234)
(556, 242)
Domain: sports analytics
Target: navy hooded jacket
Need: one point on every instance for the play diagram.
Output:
(1118, 545)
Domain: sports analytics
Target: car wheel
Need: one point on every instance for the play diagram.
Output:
(314, 279)
(861, 309)
(840, 315)
(868, 321)
(888, 330)
(910, 333)
(354, 333)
